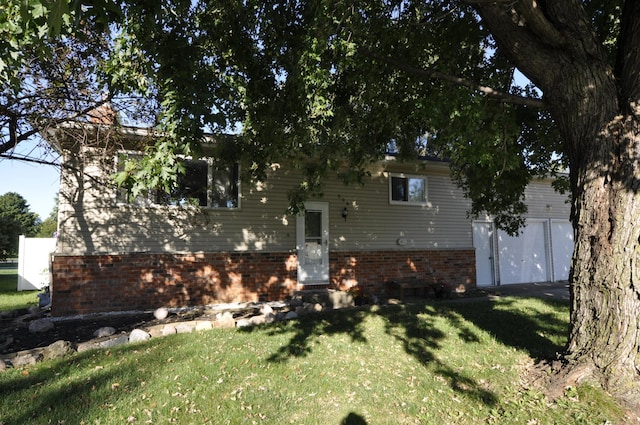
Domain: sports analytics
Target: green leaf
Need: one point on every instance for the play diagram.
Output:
(59, 14)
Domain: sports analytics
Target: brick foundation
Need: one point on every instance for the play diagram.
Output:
(139, 281)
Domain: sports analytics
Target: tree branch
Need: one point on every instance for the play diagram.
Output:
(32, 160)
(55, 164)
(628, 55)
(431, 73)
(527, 14)
(14, 138)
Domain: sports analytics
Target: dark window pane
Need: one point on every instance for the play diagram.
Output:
(399, 189)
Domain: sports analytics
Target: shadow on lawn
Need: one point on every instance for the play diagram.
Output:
(530, 330)
(310, 327)
(73, 400)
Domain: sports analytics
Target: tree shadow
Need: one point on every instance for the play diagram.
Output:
(77, 398)
(531, 331)
(353, 419)
(414, 326)
(309, 328)
(419, 336)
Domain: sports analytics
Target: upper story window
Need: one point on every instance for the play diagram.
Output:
(405, 189)
(204, 184)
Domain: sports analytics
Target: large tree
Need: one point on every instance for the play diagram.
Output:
(328, 84)
(15, 219)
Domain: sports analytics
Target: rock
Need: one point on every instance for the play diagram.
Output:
(26, 359)
(225, 320)
(3, 365)
(7, 314)
(138, 335)
(258, 320)
(301, 311)
(161, 313)
(295, 302)
(156, 331)
(317, 308)
(169, 330)
(291, 315)
(243, 323)
(57, 350)
(34, 309)
(266, 309)
(40, 325)
(339, 299)
(104, 331)
(112, 341)
(203, 325)
(185, 327)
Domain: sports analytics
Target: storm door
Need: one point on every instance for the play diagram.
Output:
(313, 243)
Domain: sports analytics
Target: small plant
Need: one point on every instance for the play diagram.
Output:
(359, 298)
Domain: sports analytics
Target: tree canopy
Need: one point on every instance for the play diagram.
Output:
(15, 220)
(324, 85)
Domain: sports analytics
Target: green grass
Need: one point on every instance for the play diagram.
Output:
(10, 298)
(422, 364)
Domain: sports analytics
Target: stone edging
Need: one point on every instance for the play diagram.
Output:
(107, 338)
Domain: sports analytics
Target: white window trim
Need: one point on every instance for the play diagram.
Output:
(424, 178)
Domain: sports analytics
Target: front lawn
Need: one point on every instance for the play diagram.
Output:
(10, 298)
(457, 363)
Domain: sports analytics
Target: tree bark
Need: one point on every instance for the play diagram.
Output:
(596, 109)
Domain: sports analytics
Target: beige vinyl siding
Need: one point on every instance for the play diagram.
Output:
(544, 202)
(92, 221)
(373, 223)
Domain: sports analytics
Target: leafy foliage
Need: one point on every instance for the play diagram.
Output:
(49, 226)
(322, 85)
(15, 220)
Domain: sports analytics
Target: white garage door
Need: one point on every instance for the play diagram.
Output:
(483, 244)
(523, 259)
(562, 248)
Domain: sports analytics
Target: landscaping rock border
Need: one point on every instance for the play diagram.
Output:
(238, 315)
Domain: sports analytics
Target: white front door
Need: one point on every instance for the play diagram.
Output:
(483, 244)
(312, 234)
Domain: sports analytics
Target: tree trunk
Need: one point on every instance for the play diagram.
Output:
(596, 109)
(604, 337)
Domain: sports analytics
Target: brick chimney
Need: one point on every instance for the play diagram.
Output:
(103, 114)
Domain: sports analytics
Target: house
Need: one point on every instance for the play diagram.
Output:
(216, 239)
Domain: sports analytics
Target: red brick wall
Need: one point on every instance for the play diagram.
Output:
(99, 283)
(370, 270)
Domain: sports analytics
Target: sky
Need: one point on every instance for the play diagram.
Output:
(36, 183)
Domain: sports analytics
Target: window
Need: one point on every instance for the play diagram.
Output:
(203, 184)
(408, 189)
(191, 188)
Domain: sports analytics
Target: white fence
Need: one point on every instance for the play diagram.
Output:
(34, 263)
